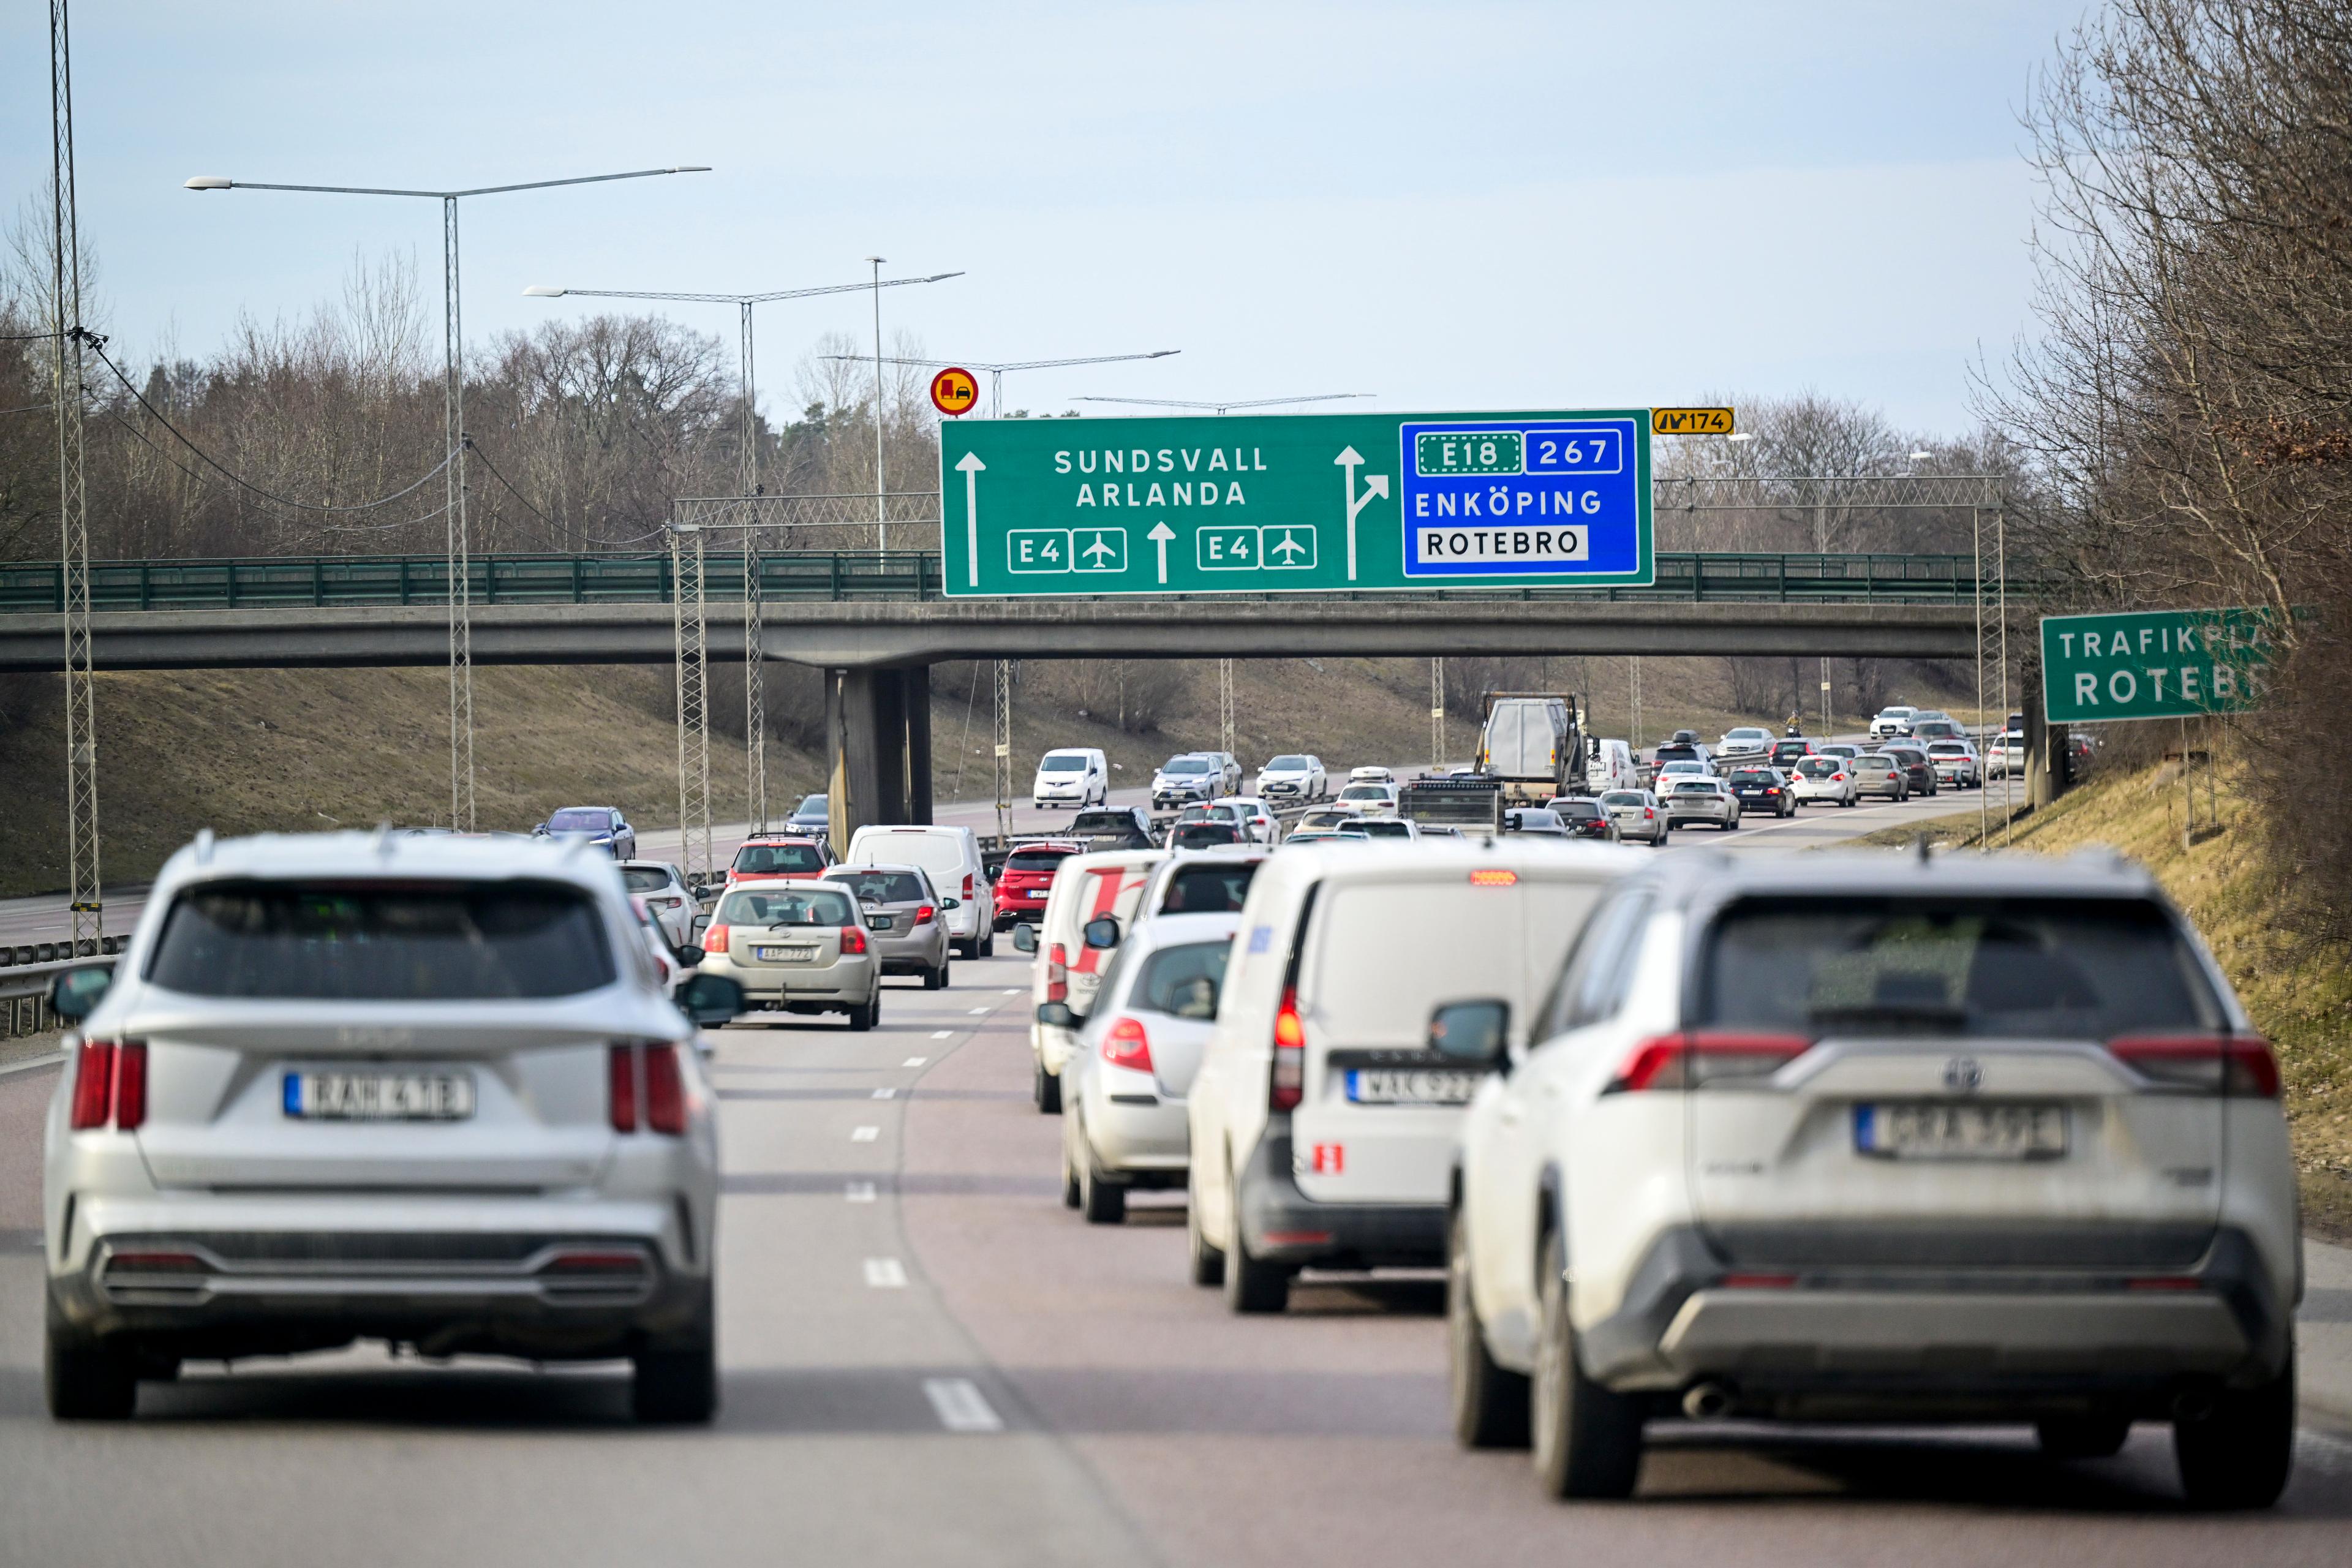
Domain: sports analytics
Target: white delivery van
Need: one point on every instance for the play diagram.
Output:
(1324, 1122)
(1612, 766)
(951, 857)
(1067, 971)
(1071, 775)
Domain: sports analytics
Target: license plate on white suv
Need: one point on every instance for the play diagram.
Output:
(370, 1096)
(1963, 1130)
(1388, 1086)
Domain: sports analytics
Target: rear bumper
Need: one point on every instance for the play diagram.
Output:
(1282, 1224)
(842, 983)
(925, 949)
(1859, 1340)
(1129, 1137)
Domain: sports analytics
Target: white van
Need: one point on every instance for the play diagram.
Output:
(1067, 971)
(951, 857)
(1612, 766)
(1323, 1121)
(1072, 775)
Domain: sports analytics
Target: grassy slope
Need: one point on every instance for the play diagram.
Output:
(2298, 989)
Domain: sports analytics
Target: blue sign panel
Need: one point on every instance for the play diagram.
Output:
(1529, 497)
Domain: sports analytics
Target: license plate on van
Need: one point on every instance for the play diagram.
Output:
(1401, 1087)
(379, 1095)
(1935, 1130)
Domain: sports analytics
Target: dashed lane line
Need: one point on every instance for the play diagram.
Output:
(886, 1093)
(960, 1406)
(886, 1274)
(917, 1061)
(864, 1134)
(859, 1192)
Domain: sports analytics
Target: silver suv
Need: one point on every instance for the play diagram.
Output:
(342, 1086)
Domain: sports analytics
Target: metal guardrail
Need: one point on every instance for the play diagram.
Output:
(319, 582)
(25, 994)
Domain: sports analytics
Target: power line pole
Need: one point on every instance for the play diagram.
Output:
(1436, 715)
(1225, 706)
(1003, 748)
(755, 697)
(461, 571)
(881, 499)
(73, 503)
(693, 703)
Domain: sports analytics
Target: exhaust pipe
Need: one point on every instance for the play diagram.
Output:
(1707, 1402)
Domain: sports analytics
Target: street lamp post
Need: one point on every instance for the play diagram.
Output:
(1227, 405)
(881, 485)
(748, 469)
(453, 457)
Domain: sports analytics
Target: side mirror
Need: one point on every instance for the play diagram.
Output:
(1024, 938)
(1102, 932)
(710, 1000)
(950, 904)
(701, 923)
(1056, 1014)
(538, 829)
(75, 992)
(1473, 1031)
(688, 955)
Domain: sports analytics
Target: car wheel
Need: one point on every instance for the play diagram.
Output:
(1252, 1285)
(936, 979)
(864, 1018)
(2239, 1453)
(86, 1378)
(1658, 839)
(1587, 1440)
(1490, 1403)
(1103, 1202)
(677, 1381)
(1205, 1264)
(988, 945)
(1070, 1193)
(1731, 824)
(2082, 1437)
(1046, 1088)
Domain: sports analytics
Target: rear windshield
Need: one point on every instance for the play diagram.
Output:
(1183, 980)
(2067, 969)
(1877, 760)
(1755, 776)
(1035, 860)
(883, 886)
(1215, 889)
(798, 906)
(381, 941)
(810, 805)
(579, 819)
(1623, 797)
(1947, 749)
(1092, 822)
(1365, 792)
(1818, 767)
(1384, 827)
(941, 854)
(1694, 787)
(1587, 808)
(1467, 941)
(645, 879)
(774, 860)
(1063, 763)
(1676, 754)
(1202, 834)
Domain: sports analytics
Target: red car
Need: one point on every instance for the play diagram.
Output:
(1027, 878)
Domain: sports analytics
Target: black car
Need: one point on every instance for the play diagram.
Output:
(1114, 827)
(1916, 768)
(1202, 835)
(1787, 753)
(1764, 789)
(1585, 819)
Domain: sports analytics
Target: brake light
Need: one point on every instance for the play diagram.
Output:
(1057, 974)
(621, 1088)
(1757, 1282)
(923, 915)
(1696, 1060)
(714, 938)
(967, 887)
(852, 940)
(1837, 778)
(665, 1089)
(1772, 789)
(1492, 878)
(1286, 1084)
(2239, 1066)
(109, 1085)
(1648, 811)
(1127, 1045)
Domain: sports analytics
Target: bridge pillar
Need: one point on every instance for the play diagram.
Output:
(878, 723)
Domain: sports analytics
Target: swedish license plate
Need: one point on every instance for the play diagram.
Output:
(1391, 1086)
(793, 954)
(879, 923)
(379, 1096)
(1960, 1132)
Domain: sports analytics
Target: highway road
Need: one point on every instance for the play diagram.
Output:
(928, 1359)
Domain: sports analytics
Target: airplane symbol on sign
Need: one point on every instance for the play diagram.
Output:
(1289, 549)
(1099, 550)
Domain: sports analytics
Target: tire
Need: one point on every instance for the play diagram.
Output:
(85, 1378)
(1490, 1403)
(1252, 1285)
(1731, 824)
(1587, 1441)
(1658, 840)
(2240, 1456)
(1205, 1264)
(2082, 1437)
(864, 1018)
(1103, 1202)
(677, 1382)
(1071, 1196)
(1045, 1089)
(936, 979)
(986, 946)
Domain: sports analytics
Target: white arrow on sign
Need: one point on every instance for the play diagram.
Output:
(1161, 534)
(970, 465)
(1374, 485)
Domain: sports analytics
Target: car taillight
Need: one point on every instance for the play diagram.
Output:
(1696, 1060)
(1057, 974)
(1286, 1084)
(1773, 790)
(714, 938)
(923, 915)
(967, 887)
(1127, 1045)
(665, 1089)
(2239, 1066)
(1837, 778)
(109, 1085)
(621, 1088)
(1648, 812)
(852, 939)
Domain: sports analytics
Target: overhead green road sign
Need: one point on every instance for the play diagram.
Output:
(1296, 503)
(2153, 664)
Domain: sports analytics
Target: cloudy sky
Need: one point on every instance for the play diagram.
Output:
(1450, 205)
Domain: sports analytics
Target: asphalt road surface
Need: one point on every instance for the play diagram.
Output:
(929, 1360)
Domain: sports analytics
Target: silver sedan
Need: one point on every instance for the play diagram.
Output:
(903, 914)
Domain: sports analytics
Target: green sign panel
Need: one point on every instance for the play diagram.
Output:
(2152, 664)
(1292, 504)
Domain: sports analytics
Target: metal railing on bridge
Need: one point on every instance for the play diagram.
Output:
(329, 581)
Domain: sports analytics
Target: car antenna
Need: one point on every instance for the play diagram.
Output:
(1922, 845)
(203, 846)
(384, 840)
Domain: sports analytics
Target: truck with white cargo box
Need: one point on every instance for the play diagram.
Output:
(1532, 744)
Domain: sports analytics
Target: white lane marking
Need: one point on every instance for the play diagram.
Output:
(960, 1406)
(1011, 991)
(939, 1035)
(52, 1059)
(858, 1192)
(976, 1011)
(886, 1094)
(916, 1061)
(886, 1274)
(864, 1134)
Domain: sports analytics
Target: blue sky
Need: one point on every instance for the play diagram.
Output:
(1450, 205)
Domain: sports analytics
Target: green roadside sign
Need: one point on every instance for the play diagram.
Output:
(1292, 504)
(2153, 664)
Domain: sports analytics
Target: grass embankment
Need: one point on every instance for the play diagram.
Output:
(2297, 986)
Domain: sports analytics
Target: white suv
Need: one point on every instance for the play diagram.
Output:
(1854, 1138)
(421, 1089)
